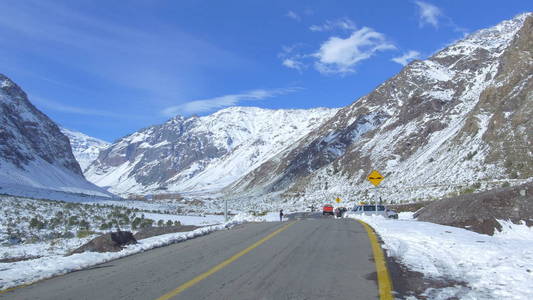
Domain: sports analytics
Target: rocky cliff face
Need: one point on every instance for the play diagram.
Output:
(201, 154)
(34, 154)
(27, 134)
(459, 118)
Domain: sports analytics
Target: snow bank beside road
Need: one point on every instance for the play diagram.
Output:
(494, 267)
(25, 272)
(268, 217)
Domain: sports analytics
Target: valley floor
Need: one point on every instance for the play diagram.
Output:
(37, 235)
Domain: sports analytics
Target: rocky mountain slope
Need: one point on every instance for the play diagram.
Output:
(201, 154)
(85, 148)
(34, 154)
(458, 120)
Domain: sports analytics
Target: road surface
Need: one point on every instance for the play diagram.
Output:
(303, 258)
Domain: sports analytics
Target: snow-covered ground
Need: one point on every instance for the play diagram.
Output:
(188, 220)
(32, 228)
(493, 267)
(268, 217)
(24, 272)
(41, 233)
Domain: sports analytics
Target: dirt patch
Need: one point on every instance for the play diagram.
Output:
(154, 231)
(407, 283)
(109, 242)
(479, 212)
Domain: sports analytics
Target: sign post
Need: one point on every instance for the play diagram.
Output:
(375, 178)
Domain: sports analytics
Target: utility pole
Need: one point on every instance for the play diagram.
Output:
(226, 209)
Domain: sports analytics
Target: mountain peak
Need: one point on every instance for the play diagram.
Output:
(201, 154)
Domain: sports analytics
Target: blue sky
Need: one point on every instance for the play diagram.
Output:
(109, 68)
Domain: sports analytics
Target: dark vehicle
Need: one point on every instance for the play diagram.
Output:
(327, 210)
(339, 211)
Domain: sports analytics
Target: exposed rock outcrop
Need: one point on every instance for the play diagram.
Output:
(479, 212)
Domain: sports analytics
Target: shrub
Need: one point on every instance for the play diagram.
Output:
(470, 155)
(468, 190)
(160, 223)
(36, 223)
(72, 221)
(169, 223)
(84, 225)
(136, 222)
(506, 184)
(147, 223)
(84, 233)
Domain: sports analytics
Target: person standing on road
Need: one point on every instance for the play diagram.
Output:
(281, 215)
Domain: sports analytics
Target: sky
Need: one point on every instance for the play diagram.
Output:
(110, 68)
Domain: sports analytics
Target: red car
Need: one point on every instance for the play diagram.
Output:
(327, 210)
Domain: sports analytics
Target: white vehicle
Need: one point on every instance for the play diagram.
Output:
(370, 209)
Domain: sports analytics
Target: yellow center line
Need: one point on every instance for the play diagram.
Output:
(384, 281)
(219, 267)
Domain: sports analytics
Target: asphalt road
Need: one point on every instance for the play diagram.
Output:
(314, 258)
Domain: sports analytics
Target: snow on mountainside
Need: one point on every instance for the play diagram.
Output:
(201, 154)
(35, 157)
(458, 120)
(85, 148)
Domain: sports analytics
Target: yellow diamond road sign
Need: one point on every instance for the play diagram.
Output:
(375, 178)
(338, 200)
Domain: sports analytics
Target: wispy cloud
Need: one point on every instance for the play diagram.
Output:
(206, 105)
(293, 63)
(406, 57)
(56, 106)
(429, 14)
(292, 60)
(291, 14)
(341, 55)
(330, 25)
(150, 58)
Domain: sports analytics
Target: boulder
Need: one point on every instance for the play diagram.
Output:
(109, 242)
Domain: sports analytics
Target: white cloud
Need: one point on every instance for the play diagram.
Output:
(406, 57)
(204, 105)
(343, 24)
(429, 14)
(293, 63)
(293, 16)
(338, 55)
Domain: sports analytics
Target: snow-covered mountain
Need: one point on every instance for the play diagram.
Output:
(35, 157)
(201, 154)
(85, 148)
(459, 119)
